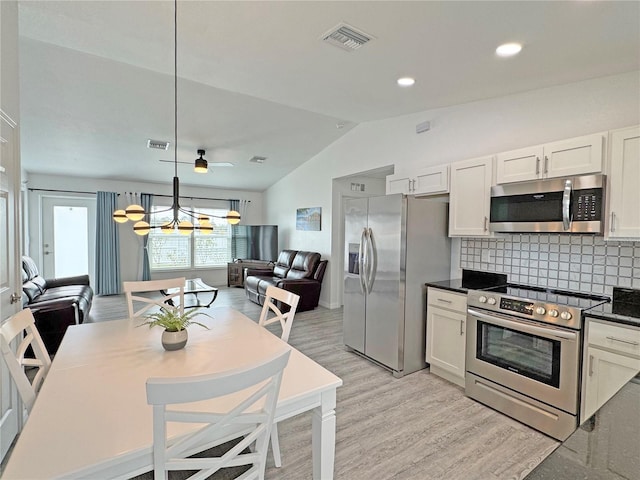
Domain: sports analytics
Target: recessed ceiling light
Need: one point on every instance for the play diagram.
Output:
(508, 49)
(406, 81)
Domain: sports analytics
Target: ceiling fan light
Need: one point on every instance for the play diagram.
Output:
(201, 165)
(134, 212)
(141, 228)
(120, 216)
(233, 217)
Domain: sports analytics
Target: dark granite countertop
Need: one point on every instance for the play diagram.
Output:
(606, 446)
(470, 280)
(625, 308)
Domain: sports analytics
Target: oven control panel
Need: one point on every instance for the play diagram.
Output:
(516, 305)
(561, 315)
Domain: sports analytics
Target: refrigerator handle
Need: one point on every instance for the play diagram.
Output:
(362, 261)
(372, 261)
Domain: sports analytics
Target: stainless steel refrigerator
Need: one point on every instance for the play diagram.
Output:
(394, 244)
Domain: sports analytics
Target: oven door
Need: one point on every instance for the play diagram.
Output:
(535, 359)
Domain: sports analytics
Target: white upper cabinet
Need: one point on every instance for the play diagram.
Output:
(624, 184)
(575, 156)
(424, 181)
(470, 197)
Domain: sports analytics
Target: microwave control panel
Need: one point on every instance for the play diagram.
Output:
(587, 205)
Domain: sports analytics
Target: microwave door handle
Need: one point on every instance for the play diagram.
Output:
(566, 205)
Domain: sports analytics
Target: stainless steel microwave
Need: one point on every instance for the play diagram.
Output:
(559, 205)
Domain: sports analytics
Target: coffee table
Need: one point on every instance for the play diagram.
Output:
(194, 286)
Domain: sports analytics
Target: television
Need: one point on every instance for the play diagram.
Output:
(255, 242)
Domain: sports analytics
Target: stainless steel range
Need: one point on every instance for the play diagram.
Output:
(523, 354)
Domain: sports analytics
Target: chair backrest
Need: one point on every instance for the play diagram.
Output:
(274, 294)
(168, 289)
(22, 326)
(251, 416)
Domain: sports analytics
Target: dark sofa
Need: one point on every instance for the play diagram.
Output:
(296, 271)
(55, 303)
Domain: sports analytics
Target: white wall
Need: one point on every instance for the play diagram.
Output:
(9, 78)
(130, 243)
(457, 133)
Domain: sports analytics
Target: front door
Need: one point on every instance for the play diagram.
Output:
(10, 287)
(68, 234)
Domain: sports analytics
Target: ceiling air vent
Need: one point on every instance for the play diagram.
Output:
(257, 159)
(157, 144)
(346, 37)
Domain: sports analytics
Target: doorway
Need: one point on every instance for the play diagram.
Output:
(68, 236)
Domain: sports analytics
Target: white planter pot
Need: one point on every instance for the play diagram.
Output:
(174, 340)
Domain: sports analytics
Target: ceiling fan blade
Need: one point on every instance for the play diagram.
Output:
(211, 164)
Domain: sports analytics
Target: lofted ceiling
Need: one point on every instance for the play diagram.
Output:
(256, 80)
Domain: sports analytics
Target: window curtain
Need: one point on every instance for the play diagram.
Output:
(107, 245)
(235, 205)
(146, 202)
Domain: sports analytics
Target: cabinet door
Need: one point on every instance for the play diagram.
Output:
(446, 339)
(399, 184)
(519, 165)
(576, 156)
(624, 179)
(470, 197)
(431, 180)
(605, 373)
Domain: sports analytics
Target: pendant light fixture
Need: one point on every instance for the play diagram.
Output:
(201, 165)
(136, 213)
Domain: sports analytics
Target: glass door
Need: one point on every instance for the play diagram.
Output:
(68, 234)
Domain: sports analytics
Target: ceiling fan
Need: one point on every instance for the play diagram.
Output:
(201, 164)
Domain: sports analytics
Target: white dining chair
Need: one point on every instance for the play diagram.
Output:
(22, 326)
(168, 289)
(274, 294)
(251, 416)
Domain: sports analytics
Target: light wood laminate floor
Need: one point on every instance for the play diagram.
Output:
(416, 427)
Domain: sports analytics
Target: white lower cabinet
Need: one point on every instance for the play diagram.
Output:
(446, 334)
(611, 359)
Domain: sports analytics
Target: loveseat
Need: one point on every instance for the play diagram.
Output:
(296, 271)
(55, 303)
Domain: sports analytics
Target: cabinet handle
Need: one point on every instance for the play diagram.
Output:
(443, 300)
(628, 342)
(461, 327)
(486, 220)
(537, 165)
(413, 188)
(590, 365)
(546, 164)
(613, 222)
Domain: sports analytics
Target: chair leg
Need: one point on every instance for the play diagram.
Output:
(275, 446)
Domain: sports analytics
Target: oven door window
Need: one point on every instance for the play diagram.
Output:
(525, 354)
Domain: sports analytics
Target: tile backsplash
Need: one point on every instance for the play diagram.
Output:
(584, 263)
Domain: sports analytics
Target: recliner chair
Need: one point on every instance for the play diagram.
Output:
(295, 271)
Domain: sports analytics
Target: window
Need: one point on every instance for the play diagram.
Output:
(181, 252)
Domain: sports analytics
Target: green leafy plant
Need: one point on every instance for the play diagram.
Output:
(172, 320)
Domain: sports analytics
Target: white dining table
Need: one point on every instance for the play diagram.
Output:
(91, 418)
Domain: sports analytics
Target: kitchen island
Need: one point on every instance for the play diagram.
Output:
(606, 446)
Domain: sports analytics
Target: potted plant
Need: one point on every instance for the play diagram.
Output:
(175, 325)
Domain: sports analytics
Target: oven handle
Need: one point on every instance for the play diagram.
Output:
(524, 327)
